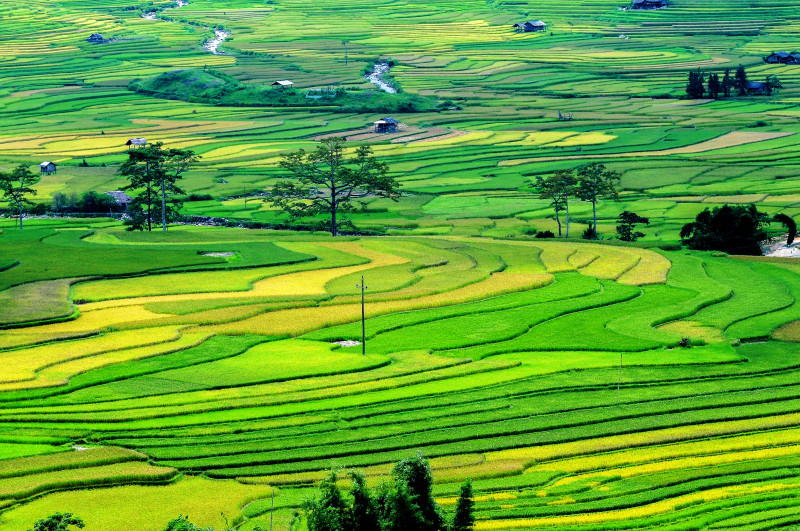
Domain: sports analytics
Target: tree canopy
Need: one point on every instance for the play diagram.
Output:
(594, 182)
(16, 187)
(736, 229)
(58, 522)
(557, 188)
(626, 225)
(328, 180)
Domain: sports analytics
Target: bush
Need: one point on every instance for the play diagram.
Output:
(732, 229)
(545, 234)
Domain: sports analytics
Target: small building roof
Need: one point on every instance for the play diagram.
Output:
(755, 85)
(781, 54)
(537, 23)
(46, 163)
(389, 120)
(136, 142)
(283, 83)
(120, 197)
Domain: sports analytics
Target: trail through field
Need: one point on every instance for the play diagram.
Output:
(732, 139)
(780, 249)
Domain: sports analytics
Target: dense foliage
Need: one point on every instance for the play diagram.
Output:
(736, 229)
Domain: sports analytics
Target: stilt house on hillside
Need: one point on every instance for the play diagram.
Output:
(121, 198)
(648, 4)
(136, 143)
(530, 26)
(47, 167)
(386, 125)
(95, 37)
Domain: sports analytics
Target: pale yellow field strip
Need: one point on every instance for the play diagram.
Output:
(289, 285)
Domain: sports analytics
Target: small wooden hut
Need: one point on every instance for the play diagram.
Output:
(47, 167)
(95, 37)
(136, 143)
(122, 199)
(386, 125)
(283, 84)
(530, 26)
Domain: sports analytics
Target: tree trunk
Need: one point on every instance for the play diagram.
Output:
(163, 206)
(566, 207)
(20, 216)
(558, 220)
(594, 216)
(149, 210)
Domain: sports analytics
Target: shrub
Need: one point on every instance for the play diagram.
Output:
(545, 234)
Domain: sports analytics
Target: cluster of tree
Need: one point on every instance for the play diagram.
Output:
(154, 172)
(588, 182)
(697, 88)
(88, 203)
(402, 504)
(736, 229)
(328, 180)
(58, 522)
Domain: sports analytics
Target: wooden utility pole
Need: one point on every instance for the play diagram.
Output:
(272, 509)
(363, 288)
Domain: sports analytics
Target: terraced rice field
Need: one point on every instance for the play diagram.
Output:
(555, 375)
(66, 100)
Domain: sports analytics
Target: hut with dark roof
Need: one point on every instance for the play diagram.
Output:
(95, 37)
(530, 26)
(648, 4)
(386, 125)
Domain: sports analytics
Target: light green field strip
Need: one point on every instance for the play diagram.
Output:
(735, 138)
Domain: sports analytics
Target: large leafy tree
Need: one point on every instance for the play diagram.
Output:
(740, 81)
(365, 514)
(464, 519)
(16, 187)
(595, 181)
(772, 83)
(415, 473)
(154, 172)
(58, 522)
(557, 188)
(328, 179)
(734, 229)
(790, 226)
(695, 87)
(329, 511)
(714, 86)
(727, 83)
(626, 226)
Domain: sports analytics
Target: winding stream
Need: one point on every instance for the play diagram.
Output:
(210, 45)
(376, 78)
(214, 44)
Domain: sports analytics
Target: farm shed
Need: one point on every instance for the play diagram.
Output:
(756, 88)
(95, 37)
(121, 198)
(527, 27)
(386, 125)
(283, 84)
(47, 167)
(136, 142)
(648, 4)
(785, 58)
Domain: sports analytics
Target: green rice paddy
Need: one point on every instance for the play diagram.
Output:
(499, 360)
(581, 386)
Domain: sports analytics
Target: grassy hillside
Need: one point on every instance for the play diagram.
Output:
(498, 360)
(216, 88)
